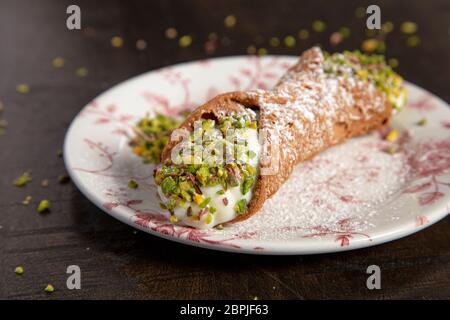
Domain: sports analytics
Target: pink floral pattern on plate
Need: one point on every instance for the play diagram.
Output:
(351, 196)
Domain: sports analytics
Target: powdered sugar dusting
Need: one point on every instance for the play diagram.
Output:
(341, 184)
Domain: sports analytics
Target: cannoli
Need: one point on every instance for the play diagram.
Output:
(235, 151)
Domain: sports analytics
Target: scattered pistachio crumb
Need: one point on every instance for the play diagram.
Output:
(360, 12)
(255, 298)
(392, 135)
(23, 179)
(43, 206)
(173, 219)
(58, 62)
(141, 44)
(185, 41)
(27, 200)
(369, 45)
(82, 72)
(49, 288)
(251, 50)
(335, 38)
(393, 62)
(319, 26)
(230, 21)
(171, 33)
(392, 149)
(422, 122)
(63, 178)
(274, 42)
(303, 34)
(262, 51)
(345, 32)
(133, 184)
(59, 153)
(22, 88)
(45, 183)
(117, 42)
(387, 27)
(219, 227)
(408, 27)
(289, 41)
(19, 270)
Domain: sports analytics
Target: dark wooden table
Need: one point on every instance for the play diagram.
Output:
(116, 261)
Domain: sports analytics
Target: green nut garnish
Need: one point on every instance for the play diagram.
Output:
(372, 68)
(247, 185)
(43, 206)
(204, 203)
(168, 185)
(182, 180)
(241, 206)
(23, 179)
(152, 135)
(133, 184)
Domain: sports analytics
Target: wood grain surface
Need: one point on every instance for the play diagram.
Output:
(120, 263)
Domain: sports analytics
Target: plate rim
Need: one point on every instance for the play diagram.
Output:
(270, 247)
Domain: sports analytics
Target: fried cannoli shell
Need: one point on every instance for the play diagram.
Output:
(306, 112)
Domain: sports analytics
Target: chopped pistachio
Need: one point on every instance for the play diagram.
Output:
(185, 41)
(19, 270)
(22, 88)
(413, 41)
(387, 27)
(82, 72)
(345, 32)
(141, 44)
(49, 288)
(360, 12)
(369, 45)
(162, 206)
(209, 218)
(132, 184)
(59, 153)
(319, 26)
(204, 203)
(43, 206)
(230, 21)
(422, 122)
(289, 41)
(63, 178)
(220, 192)
(392, 135)
(219, 227)
(58, 62)
(117, 41)
(27, 200)
(262, 51)
(393, 62)
(303, 34)
(173, 219)
(274, 42)
(171, 33)
(198, 199)
(408, 27)
(251, 50)
(241, 206)
(392, 149)
(23, 179)
(168, 185)
(212, 210)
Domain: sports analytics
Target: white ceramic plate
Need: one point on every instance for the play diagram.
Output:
(352, 196)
